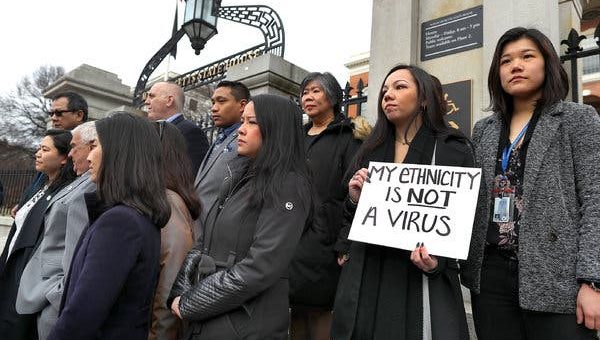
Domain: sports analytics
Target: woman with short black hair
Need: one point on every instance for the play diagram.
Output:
(234, 284)
(109, 290)
(534, 263)
(330, 141)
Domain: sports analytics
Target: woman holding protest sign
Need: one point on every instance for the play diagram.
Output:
(534, 262)
(381, 290)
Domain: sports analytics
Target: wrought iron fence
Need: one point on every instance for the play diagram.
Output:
(574, 52)
(357, 101)
(14, 183)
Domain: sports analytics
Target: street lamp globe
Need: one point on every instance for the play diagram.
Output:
(200, 21)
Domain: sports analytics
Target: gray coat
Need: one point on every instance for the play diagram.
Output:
(559, 240)
(211, 175)
(43, 279)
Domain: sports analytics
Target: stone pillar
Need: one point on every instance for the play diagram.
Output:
(396, 30)
(466, 65)
(394, 40)
(268, 74)
(570, 12)
(104, 91)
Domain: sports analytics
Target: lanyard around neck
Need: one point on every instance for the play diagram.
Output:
(508, 150)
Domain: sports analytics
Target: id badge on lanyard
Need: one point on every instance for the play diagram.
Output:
(502, 190)
(504, 200)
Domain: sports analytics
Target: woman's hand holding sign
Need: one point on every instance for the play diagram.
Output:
(421, 258)
(356, 183)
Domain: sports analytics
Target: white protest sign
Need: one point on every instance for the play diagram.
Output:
(407, 203)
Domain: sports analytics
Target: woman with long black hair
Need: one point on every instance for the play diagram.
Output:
(233, 284)
(176, 238)
(110, 287)
(381, 293)
(534, 263)
(51, 159)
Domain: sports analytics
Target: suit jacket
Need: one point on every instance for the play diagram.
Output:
(211, 175)
(109, 291)
(559, 229)
(195, 138)
(42, 281)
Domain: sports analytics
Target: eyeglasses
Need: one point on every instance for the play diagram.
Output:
(58, 113)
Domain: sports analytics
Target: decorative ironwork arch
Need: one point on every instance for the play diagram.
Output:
(261, 17)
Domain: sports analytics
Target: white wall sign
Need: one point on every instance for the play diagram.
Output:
(408, 203)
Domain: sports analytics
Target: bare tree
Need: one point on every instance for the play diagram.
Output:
(24, 110)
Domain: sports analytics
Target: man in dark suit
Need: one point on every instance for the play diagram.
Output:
(165, 101)
(229, 100)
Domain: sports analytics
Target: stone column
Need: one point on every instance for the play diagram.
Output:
(269, 74)
(104, 91)
(394, 40)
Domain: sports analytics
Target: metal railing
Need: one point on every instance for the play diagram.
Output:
(574, 52)
(14, 183)
(348, 101)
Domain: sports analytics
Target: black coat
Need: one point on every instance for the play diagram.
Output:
(314, 271)
(246, 298)
(387, 277)
(12, 325)
(195, 138)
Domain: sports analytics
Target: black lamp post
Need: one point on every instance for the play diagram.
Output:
(200, 21)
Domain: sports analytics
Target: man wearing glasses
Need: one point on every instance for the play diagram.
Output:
(68, 110)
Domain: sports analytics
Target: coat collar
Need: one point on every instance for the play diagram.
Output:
(546, 127)
(419, 152)
(95, 206)
(214, 156)
(178, 119)
(339, 122)
(84, 178)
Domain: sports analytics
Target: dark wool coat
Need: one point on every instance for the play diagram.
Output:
(12, 325)
(560, 226)
(393, 284)
(195, 138)
(113, 275)
(314, 272)
(247, 296)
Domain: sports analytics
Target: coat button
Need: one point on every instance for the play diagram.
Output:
(551, 199)
(553, 237)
